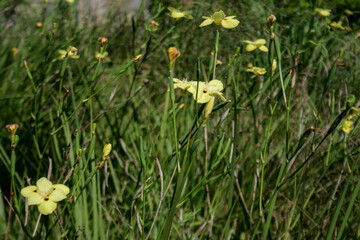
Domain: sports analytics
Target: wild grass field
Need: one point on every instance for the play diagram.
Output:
(181, 120)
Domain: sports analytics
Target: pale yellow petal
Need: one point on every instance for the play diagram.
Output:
(209, 107)
(206, 22)
(35, 199)
(57, 195)
(47, 207)
(215, 85)
(28, 191)
(250, 47)
(62, 187)
(249, 42)
(260, 42)
(204, 96)
(229, 23)
(263, 48)
(44, 185)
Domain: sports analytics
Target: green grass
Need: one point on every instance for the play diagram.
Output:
(272, 162)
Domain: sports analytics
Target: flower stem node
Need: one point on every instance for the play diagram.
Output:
(45, 195)
(219, 18)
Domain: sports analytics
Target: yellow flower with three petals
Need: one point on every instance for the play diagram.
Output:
(337, 25)
(70, 53)
(205, 91)
(45, 195)
(255, 70)
(177, 14)
(260, 44)
(219, 18)
(323, 12)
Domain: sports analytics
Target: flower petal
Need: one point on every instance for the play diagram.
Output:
(215, 85)
(206, 22)
(209, 107)
(44, 185)
(249, 42)
(28, 191)
(263, 48)
(62, 187)
(203, 96)
(47, 207)
(35, 199)
(229, 23)
(250, 47)
(260, 42)
(57, 195)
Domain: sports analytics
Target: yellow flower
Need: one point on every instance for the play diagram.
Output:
(205, 92)
(346, 127)
(337, 25)
(39, 24)
(255, 70)
(260, 44)
(102, 56)
(177, 14)
(70, 1)
(323, 12)
(45, 195)
(219, 18)
(154, 24)
(68, 54)
(15, 51)
(106, 150)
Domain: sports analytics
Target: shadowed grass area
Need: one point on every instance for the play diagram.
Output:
(270, 151)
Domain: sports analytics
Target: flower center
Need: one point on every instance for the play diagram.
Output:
(46, 199)
(204, 91)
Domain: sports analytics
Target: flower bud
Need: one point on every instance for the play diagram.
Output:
(173, 53)
(106, 151)
(12, 128)
(154, 24)
(136, 59)
(103, 41)
(271, 20)
(218, 62)
(15, 51)
(39, 24)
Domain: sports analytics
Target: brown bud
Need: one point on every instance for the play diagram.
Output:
(271, 20)
(103, 41)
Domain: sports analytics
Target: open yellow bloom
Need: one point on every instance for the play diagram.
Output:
(337, 25)
(205, 92)
(68, 54)
(260, 44)
(219, 18)
(256, 70)
(45, 195)
(177, 14)
(323, 12)
(346, 127)
(102, 56)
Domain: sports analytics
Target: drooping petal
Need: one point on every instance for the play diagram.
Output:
(250, 47)
(263, 48)
(230, 17)
(206, 22)
(35, 199)
(47, 207)
(260, 42)
(44, 185)
(209, 107)
(57, 195)
(229, 23)
(28, 191)
(215, 85)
